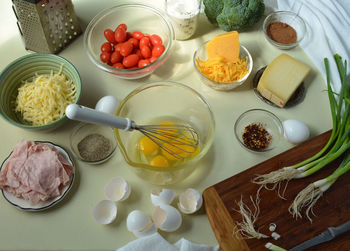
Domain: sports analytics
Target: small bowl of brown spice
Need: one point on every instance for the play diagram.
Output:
(93, 144)
(258, 130)
(284, 29)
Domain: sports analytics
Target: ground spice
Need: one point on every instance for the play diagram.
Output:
(282, 33)
(256, 137)
(94, 147)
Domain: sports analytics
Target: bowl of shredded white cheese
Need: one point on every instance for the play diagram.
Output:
(35, 90)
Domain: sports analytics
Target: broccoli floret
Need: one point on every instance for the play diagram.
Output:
(234, 14)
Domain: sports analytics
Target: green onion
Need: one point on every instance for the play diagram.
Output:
(274, 247)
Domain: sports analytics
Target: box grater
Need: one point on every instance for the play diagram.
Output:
(47, 26)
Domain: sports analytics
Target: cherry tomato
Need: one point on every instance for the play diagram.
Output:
(116, 57)
(152, 59)
(130, 60)
(138, 35)
(128, 35)
(122, 26)
(143, 62)
(119, 65)
(118, 46)
(126, 49)
(138, 53)
(134, 42)
(155, 40)
(144, 42)
(158, 50)
(120, 35)
(109, 35)
(146, 52)
(105, 57)
(106, 47)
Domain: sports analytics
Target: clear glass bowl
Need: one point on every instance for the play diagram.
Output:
(201, 54)
(164, 99)
(287, 17)
(83, 130)
(269, 121)
(137, 17)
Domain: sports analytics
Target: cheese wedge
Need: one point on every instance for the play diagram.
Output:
(281, 78)
(225, 45)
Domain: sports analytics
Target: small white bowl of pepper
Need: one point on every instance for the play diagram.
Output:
(284, 29)
(258, 130)
(93, 144)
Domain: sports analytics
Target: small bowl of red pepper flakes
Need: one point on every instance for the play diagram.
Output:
(258, 130)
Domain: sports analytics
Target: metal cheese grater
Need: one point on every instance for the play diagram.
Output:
(46, 26)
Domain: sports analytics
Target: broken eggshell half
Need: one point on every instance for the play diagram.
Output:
(162, 196)
(105, 212)
(166, 218)
(140, 224)
(117, 189)
(190, 201)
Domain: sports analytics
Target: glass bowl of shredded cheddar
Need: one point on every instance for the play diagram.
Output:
(220, 73)
(35, 90)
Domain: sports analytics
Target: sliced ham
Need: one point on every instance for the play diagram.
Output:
(35, 172)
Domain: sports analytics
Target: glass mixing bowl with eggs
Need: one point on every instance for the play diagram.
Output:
(165, 103)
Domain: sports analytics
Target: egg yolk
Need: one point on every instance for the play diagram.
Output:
(159, 161)
(167, 131)
(147, 146)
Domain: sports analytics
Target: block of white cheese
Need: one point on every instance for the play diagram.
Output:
(281, 78)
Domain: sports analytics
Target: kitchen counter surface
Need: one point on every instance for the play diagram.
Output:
(69, 225)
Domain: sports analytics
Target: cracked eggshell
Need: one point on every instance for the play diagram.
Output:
(105, 212)
(166, 218)
(190, 201)
(117, 189)
(164, 196)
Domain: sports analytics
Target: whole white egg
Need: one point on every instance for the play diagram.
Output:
(107, 104)
(295, 131)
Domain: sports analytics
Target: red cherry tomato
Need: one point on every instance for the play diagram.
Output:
(146, 52)
(109, 35)
(138, 35)
(122, 26)
(158, 50)
(130, 60)
(119, 65)
(116, 57)
(143, 62)
(152, 59)
(134, 42)
(120, 35)
(126, 49)
(106, 47)
(155, 40)
(118, 46)
(144, 42)
(138, 53)
(105, 57)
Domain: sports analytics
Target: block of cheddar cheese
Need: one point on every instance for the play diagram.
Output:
(281, 78)
(225, 45)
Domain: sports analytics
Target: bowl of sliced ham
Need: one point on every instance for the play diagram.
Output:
(36, 175)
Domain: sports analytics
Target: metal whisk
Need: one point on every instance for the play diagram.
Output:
(178, 140)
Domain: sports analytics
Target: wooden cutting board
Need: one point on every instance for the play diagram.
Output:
(332, 209)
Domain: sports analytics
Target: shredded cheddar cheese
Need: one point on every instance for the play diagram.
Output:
(221, 70)
(44, 99)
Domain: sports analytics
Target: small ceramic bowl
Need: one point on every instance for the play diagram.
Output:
(266, 120)
(201, 54)
(287, 17)
(93, 144)
(24, 69)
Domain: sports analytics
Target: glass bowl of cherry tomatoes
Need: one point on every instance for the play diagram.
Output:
(129, 40)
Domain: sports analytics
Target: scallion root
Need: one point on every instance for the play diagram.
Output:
(307, 198)
(246, 228)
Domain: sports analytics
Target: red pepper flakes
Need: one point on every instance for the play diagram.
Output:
(256, 137)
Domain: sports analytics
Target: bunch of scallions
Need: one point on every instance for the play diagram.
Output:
(338, 145)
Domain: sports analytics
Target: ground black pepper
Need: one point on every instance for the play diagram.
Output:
(94, 147)
(256, 137)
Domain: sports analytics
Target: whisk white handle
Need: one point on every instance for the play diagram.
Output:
(85, 114)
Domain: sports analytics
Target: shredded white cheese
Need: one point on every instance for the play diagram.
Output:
(44, 99)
